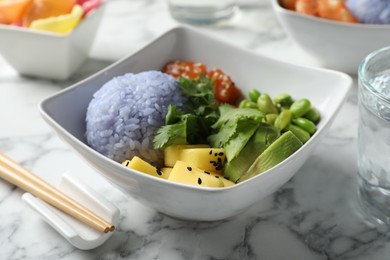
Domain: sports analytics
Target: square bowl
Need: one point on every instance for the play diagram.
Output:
(335, 45)
(325, 88)
(49, 55)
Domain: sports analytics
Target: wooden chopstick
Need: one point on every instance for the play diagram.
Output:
(20, 176)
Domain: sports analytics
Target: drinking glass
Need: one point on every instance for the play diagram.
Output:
(374, 136)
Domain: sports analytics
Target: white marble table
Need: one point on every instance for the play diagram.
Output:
(313, 216)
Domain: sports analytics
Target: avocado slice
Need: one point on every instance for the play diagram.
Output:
(264, 136)
(277, 152)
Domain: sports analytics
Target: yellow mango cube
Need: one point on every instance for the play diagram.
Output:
(208, 159)
(226, 182)
(189, 174)
(166, 171)
(172, 153)
(140, 165)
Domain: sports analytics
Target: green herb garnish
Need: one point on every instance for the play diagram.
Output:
(194, 125)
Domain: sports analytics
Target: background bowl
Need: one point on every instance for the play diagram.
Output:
(326, 89)
(335, 45)
(49, 55)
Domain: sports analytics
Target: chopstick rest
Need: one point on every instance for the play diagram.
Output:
(76, 232)
(20, 176)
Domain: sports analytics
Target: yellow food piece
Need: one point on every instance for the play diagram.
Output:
(60, 24)
(140, 165)
(226, 182)
(189, 174)
(172, 153)
(208, 159)
(166, 171)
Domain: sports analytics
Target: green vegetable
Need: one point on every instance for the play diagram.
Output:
(278, 151)
(299, 132)
(265, 135)
(283, 100)
(305, 124)
(266, 105)
(177, 133)
(194, 126)
(230, 128)
(300, 107)
(283, 119)
(173, 115)
(313, 115)
(247, 104)
(270, 118)
(254, 94)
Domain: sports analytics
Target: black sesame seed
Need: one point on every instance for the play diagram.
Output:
(216, 176)
(199, 181)
(211, 152)
(159, 172)
(127, 163)
(189, 168)
(221, 154)
(207, 172)
(216, 154)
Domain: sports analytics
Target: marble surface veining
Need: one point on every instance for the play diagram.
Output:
(313, 216)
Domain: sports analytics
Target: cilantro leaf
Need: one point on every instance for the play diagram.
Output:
(194, 126)
(233, 121)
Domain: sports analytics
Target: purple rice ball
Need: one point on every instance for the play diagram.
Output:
(370, 11)
(125, 113)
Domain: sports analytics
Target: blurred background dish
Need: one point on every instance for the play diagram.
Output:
(338, 45)
(52, 47)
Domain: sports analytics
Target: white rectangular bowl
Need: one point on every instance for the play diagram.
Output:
(65, 113)
(46, 54)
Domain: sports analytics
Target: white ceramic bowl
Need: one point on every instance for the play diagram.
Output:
(49, 55)
(326, 89)
(335, 45)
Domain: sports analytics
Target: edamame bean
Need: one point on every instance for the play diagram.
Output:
(299, 132)
(246, 103)
(270, 118)
(313, 115)
(265, 104)
(305, 124)
(283, 100)
(300, 107)
(254, 94)
(283, 119)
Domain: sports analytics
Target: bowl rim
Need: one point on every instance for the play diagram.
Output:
(15, 28)
(309, 144)
(358, 26)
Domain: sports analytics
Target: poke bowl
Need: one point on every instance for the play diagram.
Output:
(326, 90)
(53, 47)
(333, 44)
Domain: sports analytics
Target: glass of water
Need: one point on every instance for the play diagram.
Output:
(374, 136)
(202, 11)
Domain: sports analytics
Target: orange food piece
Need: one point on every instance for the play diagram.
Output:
(288, 4)
(308, 7)
(61, 24)
(225, 91)
(186, 69)
(12, 11)
(47, 8)
(335, 10)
